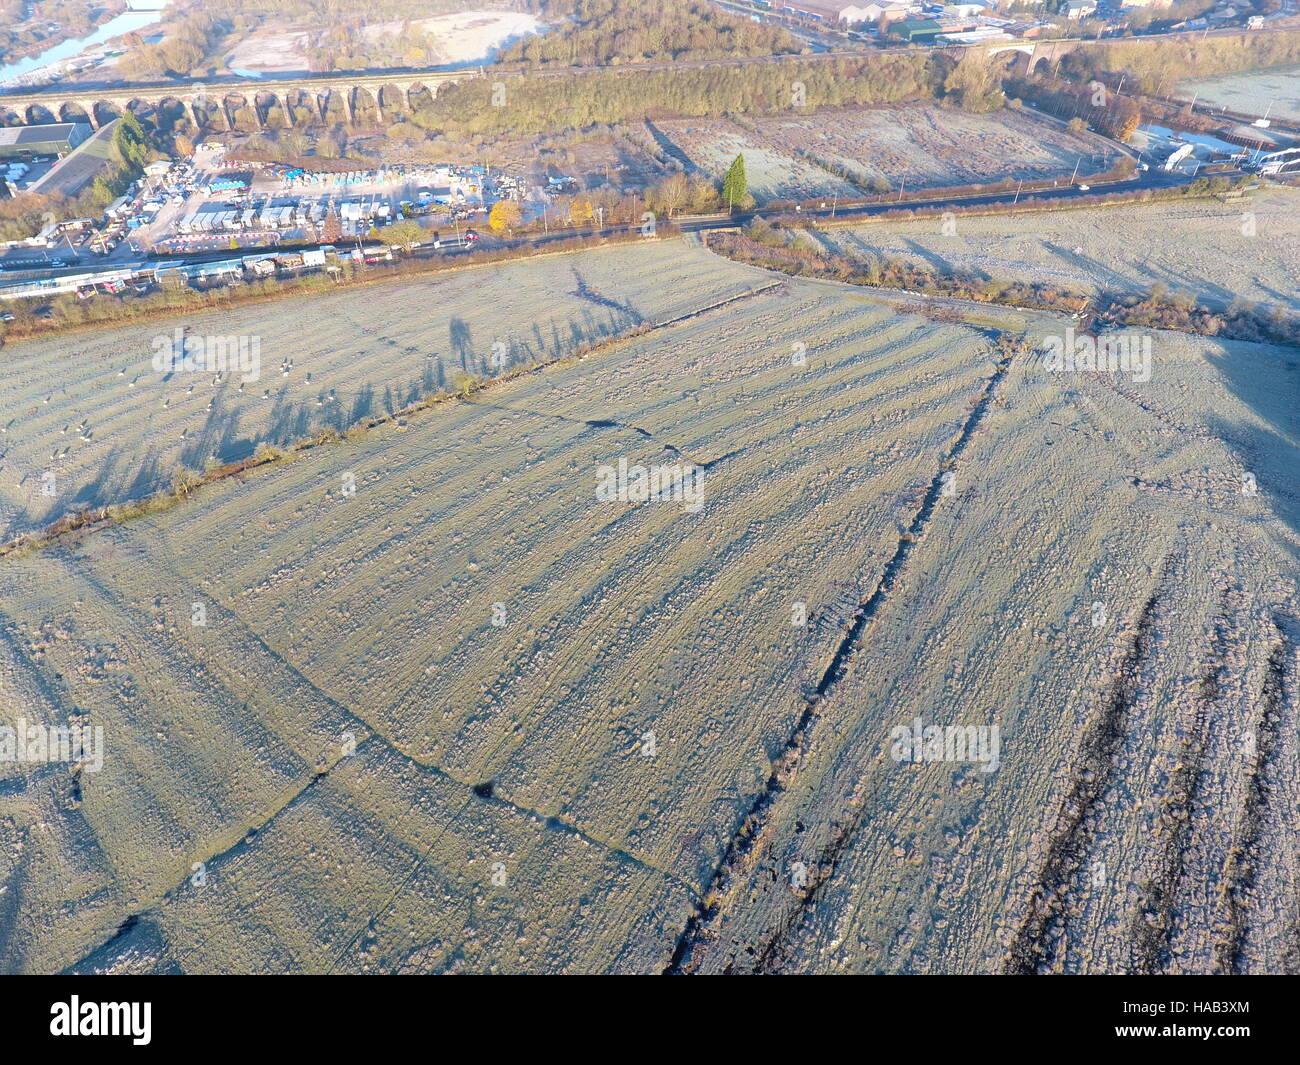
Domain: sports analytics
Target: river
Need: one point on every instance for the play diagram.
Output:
(126, 22)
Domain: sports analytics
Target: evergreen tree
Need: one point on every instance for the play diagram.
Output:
(734, 186)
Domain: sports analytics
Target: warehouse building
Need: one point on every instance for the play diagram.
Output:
(56, 138)
(81, 167)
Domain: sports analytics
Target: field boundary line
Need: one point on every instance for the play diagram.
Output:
(744, 850)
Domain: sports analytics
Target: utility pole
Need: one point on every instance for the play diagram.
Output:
(1018, 188)
(901, 186)
(1076, 169)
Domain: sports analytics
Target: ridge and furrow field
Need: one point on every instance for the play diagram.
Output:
(451, 710)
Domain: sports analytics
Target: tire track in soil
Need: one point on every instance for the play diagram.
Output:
(1044, 925)
(1239, 870)
(1153, 923)
(743, 848)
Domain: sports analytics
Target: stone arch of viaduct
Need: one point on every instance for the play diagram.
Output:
(204, 104)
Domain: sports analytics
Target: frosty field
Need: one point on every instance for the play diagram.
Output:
(1215, 251)
(1275, 92)
(422, 699)
(356, 353)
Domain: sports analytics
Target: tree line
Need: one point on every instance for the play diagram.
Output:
(604, 32)
(539, 104)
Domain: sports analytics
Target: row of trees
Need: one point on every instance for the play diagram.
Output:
(1242, 319)
(545, 104)
(603, 32)
(1090, 103)
(794, 251)
(1160, 65)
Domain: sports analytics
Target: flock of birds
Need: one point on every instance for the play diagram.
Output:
(83, 432)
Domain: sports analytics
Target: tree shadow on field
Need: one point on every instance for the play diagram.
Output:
(121, 475)
(938, 262)
(1290, 300)
(462, 344)
(1266, 378)
(218, 440)
(236, 426)
(363, 406)
(586, 292)
(1095, 271)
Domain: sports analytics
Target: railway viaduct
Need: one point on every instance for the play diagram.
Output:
(1025, 57)
(203, 102)
(390, 91)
